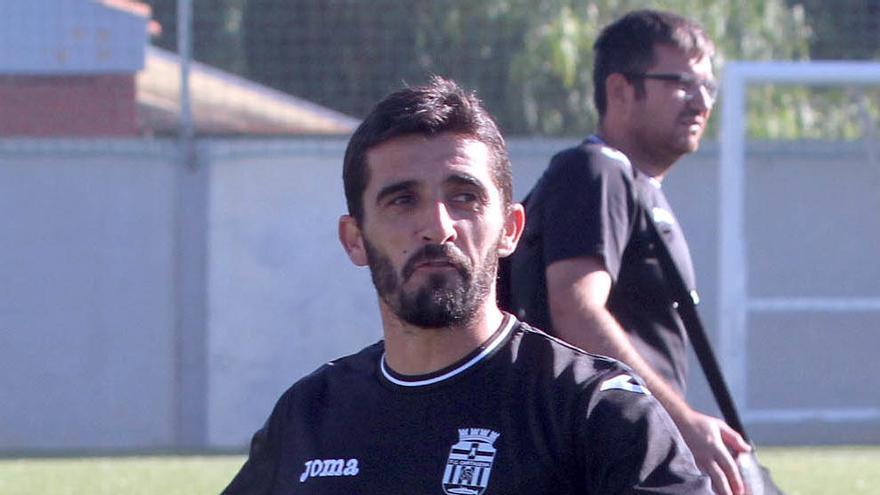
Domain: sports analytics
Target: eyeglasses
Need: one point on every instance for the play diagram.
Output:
(689, 84)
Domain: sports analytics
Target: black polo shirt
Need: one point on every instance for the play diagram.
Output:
(524, 413)
(591, 202)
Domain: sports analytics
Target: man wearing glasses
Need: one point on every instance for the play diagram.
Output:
(588, 267)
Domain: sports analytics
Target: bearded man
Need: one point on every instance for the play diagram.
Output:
(459, 397)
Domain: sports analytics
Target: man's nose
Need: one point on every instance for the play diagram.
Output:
(437, 226)
(702, 99)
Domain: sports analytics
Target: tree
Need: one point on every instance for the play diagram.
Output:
(530, 60)
(216, 31)
(340, 53)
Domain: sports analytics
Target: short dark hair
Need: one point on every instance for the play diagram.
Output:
(437, 107)
(627, 46)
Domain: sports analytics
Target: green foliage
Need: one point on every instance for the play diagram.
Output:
(557, 103)
(216, 31)
(843, 29)
(530, 60)
(340, 53)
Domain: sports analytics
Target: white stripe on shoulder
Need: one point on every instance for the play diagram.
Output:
(501, 337)
(615, 155)
(624, 382)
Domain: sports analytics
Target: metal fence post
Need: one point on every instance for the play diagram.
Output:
(190, 271)
(184, 49)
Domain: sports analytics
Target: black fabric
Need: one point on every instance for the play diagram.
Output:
(553, 429)
(591, 202)
(755, 476)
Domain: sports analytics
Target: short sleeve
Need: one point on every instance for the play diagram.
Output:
(631, 446)
(257, 475)
(588, 207)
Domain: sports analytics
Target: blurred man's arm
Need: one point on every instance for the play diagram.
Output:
(577, 291)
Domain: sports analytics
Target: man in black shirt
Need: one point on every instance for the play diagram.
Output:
(459, 398)
(588, 268)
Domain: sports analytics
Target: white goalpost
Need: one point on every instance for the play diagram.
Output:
(736, 304)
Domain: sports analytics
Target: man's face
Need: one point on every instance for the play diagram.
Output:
(432, 230)
(670, 118)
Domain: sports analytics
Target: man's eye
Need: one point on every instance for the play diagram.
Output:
(402, 200)
(687, 85)
(685, 89)
(465, 197)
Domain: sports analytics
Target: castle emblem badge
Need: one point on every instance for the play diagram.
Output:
(470, 462)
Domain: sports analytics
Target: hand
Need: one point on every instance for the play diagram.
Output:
(715, 446)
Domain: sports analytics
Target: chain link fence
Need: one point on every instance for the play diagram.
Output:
(121, 266)
(88, 68)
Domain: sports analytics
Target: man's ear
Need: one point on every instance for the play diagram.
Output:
(514, 223)
(352, 240)
(618, 90)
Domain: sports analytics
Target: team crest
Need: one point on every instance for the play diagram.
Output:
(470, 462)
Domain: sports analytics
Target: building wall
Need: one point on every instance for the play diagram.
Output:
(279, 281)
(68, 106)
(86, 298)
(67, 67)
(72, 37)
(147, 305)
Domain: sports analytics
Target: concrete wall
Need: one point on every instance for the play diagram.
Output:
(283, 296)
(86, 298)
(813, 231)
(145, 305)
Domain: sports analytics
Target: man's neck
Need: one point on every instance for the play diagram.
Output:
(411, 350)
(646, 161)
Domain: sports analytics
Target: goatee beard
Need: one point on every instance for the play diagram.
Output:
(445, 299)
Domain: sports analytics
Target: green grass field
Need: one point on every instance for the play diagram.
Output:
(799, 471)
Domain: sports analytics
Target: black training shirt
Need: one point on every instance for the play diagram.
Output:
(591, 202)
(524, 413)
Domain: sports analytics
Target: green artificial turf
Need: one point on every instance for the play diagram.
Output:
(824, 470)
(154, 475)
(799, 471)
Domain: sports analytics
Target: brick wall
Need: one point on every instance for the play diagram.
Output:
(68, 106)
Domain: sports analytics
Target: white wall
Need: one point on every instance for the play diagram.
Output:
(147, 306)
(86, 298)
(283, 296)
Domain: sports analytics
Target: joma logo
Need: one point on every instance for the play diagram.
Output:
(329, 467)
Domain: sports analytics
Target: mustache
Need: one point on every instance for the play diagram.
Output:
(689, 113)
(436, 252)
